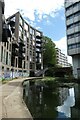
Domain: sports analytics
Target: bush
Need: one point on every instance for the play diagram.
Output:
(49, 72)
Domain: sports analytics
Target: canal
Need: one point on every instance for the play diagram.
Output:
(45, 99)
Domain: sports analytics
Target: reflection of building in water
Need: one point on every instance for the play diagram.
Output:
(63, 94)
(75, 110)
(67, 104)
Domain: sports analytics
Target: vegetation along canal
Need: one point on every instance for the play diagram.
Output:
(46, 99)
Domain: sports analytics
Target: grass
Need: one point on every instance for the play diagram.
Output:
(59, 79)
(48, 79)
(4, 81)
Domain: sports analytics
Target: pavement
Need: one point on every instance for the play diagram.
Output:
(11, 100)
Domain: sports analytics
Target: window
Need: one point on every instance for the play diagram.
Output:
(69, 8)
(25, 37)
(20, 28)
(10, 47)
(24, 65)
(2, 54)
(73, 35)
(19, 33)
(3, 68)
(27, 57)
(7, 58)
(73, 46)
(31, 30)
(30, 37)
(16, 62)
(13, 19)
(26, 26)
(78, 45)
(21, 22)
(77, 24)
(77, 14)
(7, 45)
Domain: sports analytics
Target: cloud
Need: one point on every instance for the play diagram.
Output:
(28, 7)
(62, 44)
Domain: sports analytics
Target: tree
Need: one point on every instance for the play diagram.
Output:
(49, 52)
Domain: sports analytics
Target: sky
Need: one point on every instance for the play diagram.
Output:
(47, 16)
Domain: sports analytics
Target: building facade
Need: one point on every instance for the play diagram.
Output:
(61, 59)
(21, 53)
(72, 13)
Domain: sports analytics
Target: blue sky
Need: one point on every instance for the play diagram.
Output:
(53, 27)
(46, 16)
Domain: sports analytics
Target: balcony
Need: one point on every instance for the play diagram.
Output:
(6, 33)
(13, 29)
(12, 23)
(23, 50)
(15, 53)
(21, 56)
(38, 46)
(38, 41)
(21, 43)
(4, 36)
(38, 50)
(15, 43)
(38, 37)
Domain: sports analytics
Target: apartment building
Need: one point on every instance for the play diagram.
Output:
(62, 59)
(72, 13)
(21, 54)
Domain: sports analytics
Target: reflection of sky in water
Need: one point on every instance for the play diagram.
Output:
(69, 102)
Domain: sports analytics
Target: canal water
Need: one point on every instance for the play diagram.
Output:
(48, 100)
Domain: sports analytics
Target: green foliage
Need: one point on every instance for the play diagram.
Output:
(49, 54)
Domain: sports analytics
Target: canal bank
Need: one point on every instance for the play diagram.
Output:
(11, 100)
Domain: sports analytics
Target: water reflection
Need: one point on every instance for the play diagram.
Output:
(68, 102)
(46, 100)
(75, 110)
